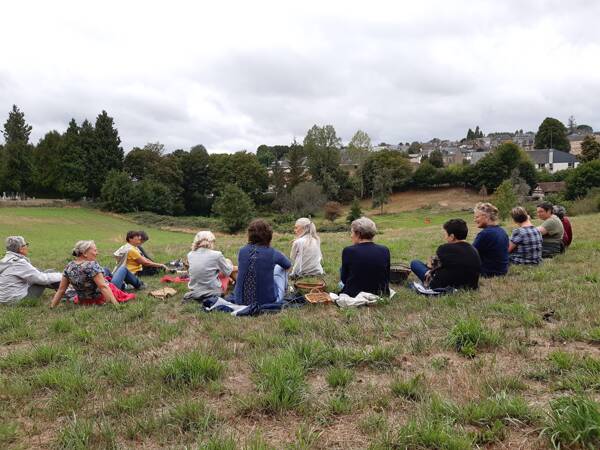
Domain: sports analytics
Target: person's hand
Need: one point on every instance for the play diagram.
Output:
(164, 267)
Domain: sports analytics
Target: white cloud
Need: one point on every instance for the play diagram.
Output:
(232, 75)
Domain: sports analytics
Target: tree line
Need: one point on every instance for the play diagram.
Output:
(87, 160)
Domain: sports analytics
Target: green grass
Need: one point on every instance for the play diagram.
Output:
(159, 374)
(574, 422)
(468, 336)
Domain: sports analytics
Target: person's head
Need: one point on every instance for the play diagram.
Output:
(144, 236)
(559, 211)
(86, 250)
(17, 244)
(519, 215)
(304, 227)
(485, 214)
(362, 229)
(544, 210)
(456, 230)
(260, 232)
(134, 237)
(203, 239)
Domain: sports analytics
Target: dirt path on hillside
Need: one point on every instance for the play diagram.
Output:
(444, 198)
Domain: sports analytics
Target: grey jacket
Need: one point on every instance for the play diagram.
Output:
(17, 274)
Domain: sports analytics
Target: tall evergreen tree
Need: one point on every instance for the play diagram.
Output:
(46, 164)
(108, 154)
(18, 154)
(72, 180)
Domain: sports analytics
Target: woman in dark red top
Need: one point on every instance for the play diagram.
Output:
(560, 212)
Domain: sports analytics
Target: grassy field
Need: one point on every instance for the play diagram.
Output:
(514, 365)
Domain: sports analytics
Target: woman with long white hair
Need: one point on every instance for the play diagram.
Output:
(306, 250)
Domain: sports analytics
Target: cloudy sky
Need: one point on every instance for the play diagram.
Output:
(236, 74)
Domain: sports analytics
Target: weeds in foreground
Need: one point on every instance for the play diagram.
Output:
(573, 422)
(280, 380)
(191, 370)
(412, 389)
(469, 335)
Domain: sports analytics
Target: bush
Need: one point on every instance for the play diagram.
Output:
(305, 199)
(582, 179)
(332, 210)
(153, 196)
(505, 199)
(355, 212)
(587, 205)
(117, 192)
(235, 208)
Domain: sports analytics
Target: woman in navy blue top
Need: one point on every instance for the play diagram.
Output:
(491, 242)
(262, 270)
(365, 265)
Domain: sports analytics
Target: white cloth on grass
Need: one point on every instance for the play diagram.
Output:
(362, 299)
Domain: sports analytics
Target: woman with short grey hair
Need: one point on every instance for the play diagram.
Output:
(365, 265)
(364, 227)
(18, 277)
(209, 269)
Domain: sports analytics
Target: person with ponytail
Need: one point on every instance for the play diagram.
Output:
(306, 250)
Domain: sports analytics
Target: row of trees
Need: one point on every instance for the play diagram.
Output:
(87, 160)
(72, 164)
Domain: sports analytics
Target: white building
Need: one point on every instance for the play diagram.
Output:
(553, 160)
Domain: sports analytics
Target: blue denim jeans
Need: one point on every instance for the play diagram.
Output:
(280, 278)
(123, 276)
(419, 269)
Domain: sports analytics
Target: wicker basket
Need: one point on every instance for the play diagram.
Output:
(317, 296)
(317, 286)
(399, 273)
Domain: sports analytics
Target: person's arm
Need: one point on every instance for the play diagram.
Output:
(64, 284)
(479, 242)
(146, 262)
(33, 276)
(225, 265)
(295, 250)
(104, 289)
(282, 260)
(511, 246)
(542, 230)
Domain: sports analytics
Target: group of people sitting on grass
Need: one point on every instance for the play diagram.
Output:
(262, 274)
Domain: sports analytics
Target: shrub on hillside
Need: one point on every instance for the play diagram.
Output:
(117, 192)
(304, 200)
(153, 196)
(355, 211)
(235, 208)
(587, 205)
(582, 179)
(332, 210)
(505, 199)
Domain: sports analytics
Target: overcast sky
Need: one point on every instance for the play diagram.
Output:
(234, 75)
